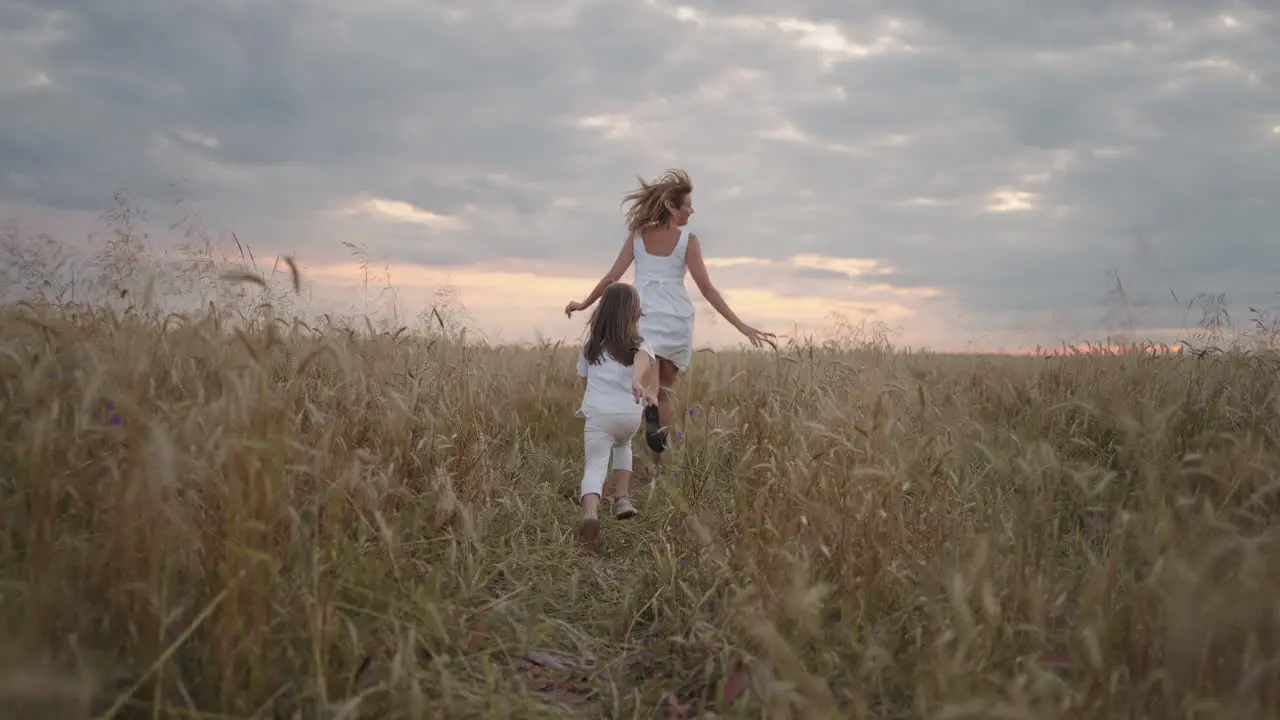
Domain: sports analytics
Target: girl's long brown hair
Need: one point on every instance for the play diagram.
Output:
(649, 201)
(612, 327)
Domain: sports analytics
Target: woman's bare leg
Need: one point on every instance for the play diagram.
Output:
(667, 374)
(664, 379)
(653, 384)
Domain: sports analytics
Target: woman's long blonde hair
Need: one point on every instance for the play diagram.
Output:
(651, 203)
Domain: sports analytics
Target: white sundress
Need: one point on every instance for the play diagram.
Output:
(667, 321)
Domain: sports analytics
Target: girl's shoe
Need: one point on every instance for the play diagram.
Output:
(589, 534)
(623, 509)
(654, 434)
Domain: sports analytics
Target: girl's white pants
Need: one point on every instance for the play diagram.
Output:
(602, 436)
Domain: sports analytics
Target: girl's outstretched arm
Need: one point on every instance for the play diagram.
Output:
(625, 256)
(640, 373)
(583, 369)
(698, 269)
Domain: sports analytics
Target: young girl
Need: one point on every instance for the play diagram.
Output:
(616, 362)
(662, 248)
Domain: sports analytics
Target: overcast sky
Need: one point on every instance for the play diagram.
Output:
(967, 175)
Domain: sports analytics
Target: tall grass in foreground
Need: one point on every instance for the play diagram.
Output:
(196, 522)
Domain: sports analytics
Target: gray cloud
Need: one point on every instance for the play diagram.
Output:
(819, 274)
(1140, 132)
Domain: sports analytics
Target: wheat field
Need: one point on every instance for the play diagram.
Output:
(201, 521)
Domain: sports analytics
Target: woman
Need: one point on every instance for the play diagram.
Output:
(662, 249)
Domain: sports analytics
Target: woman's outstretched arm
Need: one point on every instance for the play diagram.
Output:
(698, 269)
(625, 256)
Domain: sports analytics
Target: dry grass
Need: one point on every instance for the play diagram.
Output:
(204, 524)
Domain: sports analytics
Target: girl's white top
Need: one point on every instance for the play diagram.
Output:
(608, 385)
(667, 323)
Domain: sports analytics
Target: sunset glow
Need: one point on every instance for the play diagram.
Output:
(489, 294)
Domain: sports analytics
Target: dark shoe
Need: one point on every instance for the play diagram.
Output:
(655, 436)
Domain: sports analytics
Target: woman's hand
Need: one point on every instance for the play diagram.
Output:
(759, 338)
(572, 308)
